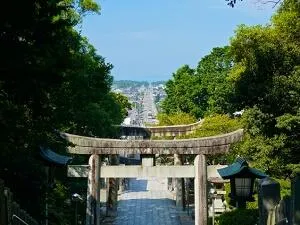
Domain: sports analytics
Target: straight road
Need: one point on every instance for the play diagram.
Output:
(149, 107)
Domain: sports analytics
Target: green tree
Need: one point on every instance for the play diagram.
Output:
(51, 79)
(181, 93)
(123, 102)
(213, 83)
(203, 91)
(266, 78)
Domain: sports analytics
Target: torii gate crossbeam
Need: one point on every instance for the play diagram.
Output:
(199, 146)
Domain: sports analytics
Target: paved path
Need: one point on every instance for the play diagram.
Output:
(148, 202)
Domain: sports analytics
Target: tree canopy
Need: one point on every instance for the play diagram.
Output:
(51, 79)
(266, 76)
(203, 90)
(258, 72)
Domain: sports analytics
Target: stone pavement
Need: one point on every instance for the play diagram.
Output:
(147, 202)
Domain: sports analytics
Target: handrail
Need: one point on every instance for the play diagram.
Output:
(15, 216)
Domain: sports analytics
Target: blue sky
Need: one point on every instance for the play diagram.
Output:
(151, 39)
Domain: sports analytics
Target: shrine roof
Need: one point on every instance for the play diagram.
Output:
(54, 158)
(240, 168)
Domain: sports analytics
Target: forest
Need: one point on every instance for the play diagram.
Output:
(52, 79)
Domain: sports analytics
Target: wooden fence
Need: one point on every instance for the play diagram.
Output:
(10, 211)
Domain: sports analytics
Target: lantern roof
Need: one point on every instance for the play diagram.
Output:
(240, 168)
(54, 158)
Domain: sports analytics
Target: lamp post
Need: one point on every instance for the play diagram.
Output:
(242, 179)
(76, 198)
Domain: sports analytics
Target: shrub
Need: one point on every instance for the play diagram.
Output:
(175, 119)
(285, 187)
(215, 125)
(238, 217)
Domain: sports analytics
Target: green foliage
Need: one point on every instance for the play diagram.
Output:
(238, 217)
(215, 125)
(266, 154)
(204, 90)
(248, 216)
(270, 91)
(212, 73)
(260, 73)
(182, 93)
(228, 190)
(175, 119)
(51, 79)
(57, 199)
(285, 187)
(89, 5)
(123, 102)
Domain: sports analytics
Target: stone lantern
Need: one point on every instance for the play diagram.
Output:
(242, 179)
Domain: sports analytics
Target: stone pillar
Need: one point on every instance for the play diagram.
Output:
(200, 192)
(93, 191)
(268, 198)
(179, 183)
(112, 202)
(295, 200)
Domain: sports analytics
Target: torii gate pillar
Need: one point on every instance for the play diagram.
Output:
(93, 191)
(200, 191)
(200, 146)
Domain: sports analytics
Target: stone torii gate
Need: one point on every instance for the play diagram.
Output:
(97, 146)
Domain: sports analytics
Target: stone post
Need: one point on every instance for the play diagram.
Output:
(2, 204)
(200, 187)
(93, 191)
(268, 198)
(179, 182)
(112, 201)
(295, 200)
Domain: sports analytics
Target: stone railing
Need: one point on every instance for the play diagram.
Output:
(10, 211)
(175, 130)
(158, 131)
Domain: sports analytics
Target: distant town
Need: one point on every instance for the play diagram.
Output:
(145, 98)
